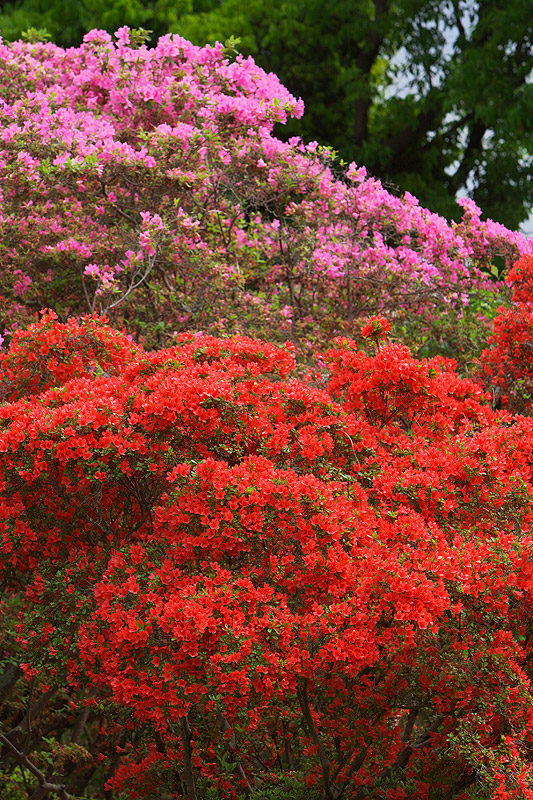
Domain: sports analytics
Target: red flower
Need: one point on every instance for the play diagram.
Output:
(376, 328)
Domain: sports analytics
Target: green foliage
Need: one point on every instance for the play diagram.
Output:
(412, 91)
(460, 333)
(13, 785)
(32, 35)
(287, 787)
(66, 21)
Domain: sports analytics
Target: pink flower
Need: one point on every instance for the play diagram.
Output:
(123, 36)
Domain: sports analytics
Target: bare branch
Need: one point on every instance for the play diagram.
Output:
(310, 723)
(44, 784)
(186, 736)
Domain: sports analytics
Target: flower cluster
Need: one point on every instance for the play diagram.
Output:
(227, 579)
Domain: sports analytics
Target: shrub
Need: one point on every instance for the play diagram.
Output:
(507, 362)
(220, 579)
(148, 184)
(49, 353)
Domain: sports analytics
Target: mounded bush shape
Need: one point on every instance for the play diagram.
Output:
(219, 580)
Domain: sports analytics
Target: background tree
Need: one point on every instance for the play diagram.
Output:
(66, 21)
(430, 96)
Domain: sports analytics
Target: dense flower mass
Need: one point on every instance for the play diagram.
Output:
(232, 580)
(223, 576)
(507, 361)
(148, 183)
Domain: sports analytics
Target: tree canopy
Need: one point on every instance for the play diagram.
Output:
(66, 21)
(432, 97)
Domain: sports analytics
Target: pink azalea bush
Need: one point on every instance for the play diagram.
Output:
(148, 184)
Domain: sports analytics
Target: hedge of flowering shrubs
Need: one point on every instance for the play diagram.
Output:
(220, 581)
(148, 183)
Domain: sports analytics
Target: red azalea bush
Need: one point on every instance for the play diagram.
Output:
(507, 362)
(148, 183)
(220, 581)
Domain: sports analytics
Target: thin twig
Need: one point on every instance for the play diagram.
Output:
(44, 783)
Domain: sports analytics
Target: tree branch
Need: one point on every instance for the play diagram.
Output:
(471, 154)
(44, 784)
(232, 748)
(365, 60)
(310, 723)
(8, 679)
(186, 736)
(33, 712)
(404, 755)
